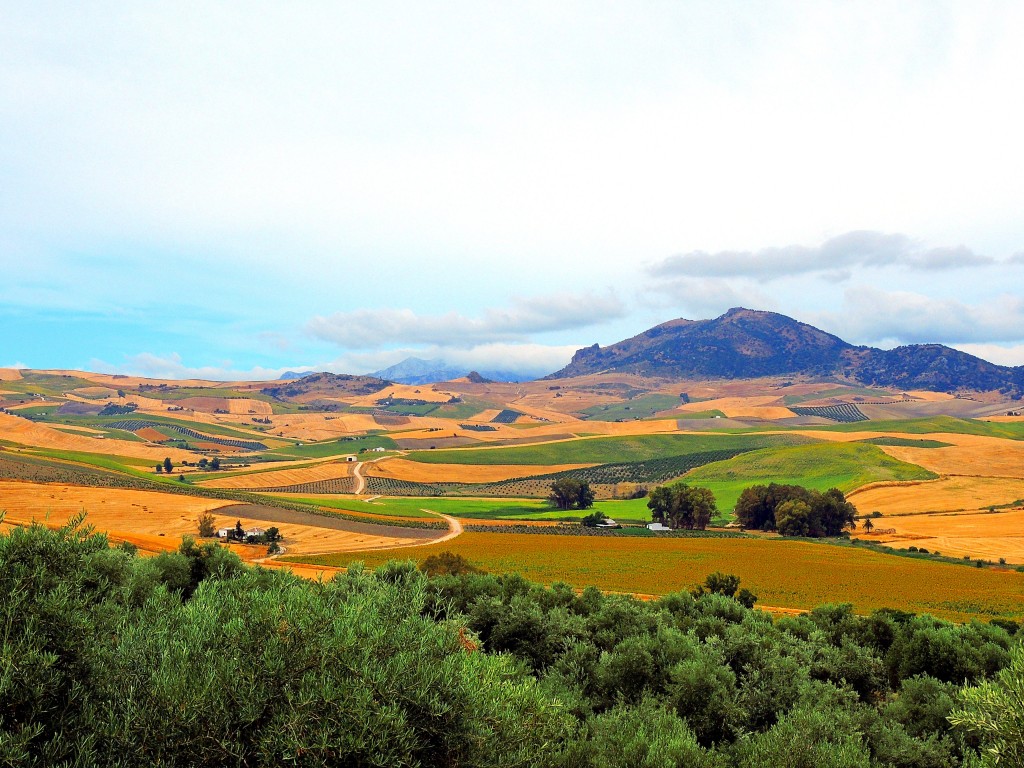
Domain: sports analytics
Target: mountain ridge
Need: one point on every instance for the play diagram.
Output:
(745, 343)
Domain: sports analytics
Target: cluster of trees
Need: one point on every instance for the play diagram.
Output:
(793, 510)
(192, 658)
(682, 506)
(568, 493)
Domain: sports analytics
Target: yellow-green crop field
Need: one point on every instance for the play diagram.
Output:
(788, 574)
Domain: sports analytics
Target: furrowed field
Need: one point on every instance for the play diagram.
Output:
(794, 574)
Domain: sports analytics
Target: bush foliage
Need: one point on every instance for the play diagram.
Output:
(192, 658)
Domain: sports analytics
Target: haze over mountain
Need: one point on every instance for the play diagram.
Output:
(414, 370)
(746, 343)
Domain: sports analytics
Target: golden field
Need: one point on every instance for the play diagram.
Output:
(156, 521)
(782, 573)
(283, 477)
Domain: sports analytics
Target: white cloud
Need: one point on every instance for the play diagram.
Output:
(370, 328)
(834, 259)
(709, 297)
(872, 315)
(17, 366)
(999, 354)
(170, 366)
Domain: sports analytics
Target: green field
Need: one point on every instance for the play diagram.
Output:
(341, 447)
(606, 450)
(54, 385)
(936, 424)
(820, 466)
(906, 442)
(637, 408)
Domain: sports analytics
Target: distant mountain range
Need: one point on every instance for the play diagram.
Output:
(745, 343)
(414, 370)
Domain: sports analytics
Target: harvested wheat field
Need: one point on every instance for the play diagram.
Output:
(419, 472)
(147, 517)
(402, 392)
(29, 433)
(969, 455)
(280, 478)
(981, 535)
(763, 407)
(10, 374)
(233, 405)
(947, 494)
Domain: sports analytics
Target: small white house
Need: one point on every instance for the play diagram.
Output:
(607, 523)
(350, 458)
(657, 527)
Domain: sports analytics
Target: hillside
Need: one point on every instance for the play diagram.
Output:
(747, 344)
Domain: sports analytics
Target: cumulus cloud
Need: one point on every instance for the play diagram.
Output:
(871, 315)
(709, 297)
(834, 259)
(369, 328)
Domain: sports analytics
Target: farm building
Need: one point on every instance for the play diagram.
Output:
(350, 458)
(657, 527)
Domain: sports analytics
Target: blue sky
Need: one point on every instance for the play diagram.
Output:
(235, 190)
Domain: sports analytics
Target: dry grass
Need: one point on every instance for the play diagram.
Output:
(283, 477)
(404, 392)
(985, 535)
(233, 405)
(970, 455)
(759, 407)
(419, 472)
(931, 397)
(29, 433)
(157, 521)
(10, 374)
(783, 573)
(948, 494)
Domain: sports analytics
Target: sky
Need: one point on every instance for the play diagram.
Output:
(234, 190)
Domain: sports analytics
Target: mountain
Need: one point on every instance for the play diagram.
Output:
(414, 370)
(289, 375)
(745, 343)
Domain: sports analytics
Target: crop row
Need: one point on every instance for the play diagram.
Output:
(477, 427)
(603, 478)
(846, 413)
(133, 425)
(335, 485)
(506, 416)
